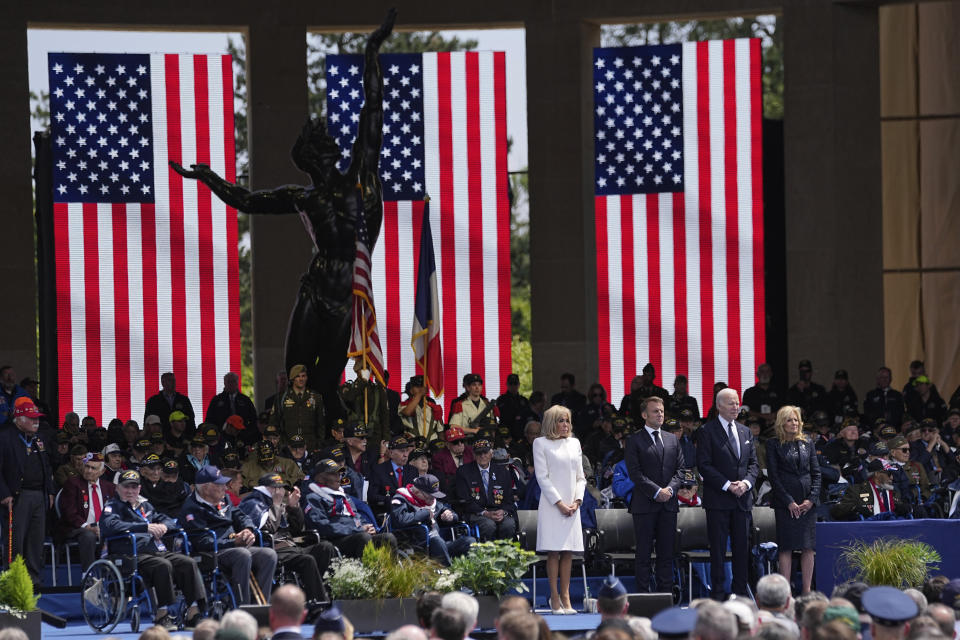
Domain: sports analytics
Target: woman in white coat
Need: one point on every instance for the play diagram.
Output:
(557, 461)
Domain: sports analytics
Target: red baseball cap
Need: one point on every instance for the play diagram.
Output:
(454, 434)
(236, 422)
(27, 409)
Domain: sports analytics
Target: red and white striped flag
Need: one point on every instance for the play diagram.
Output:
(364, 337)
(679, 214)
(146, 261)
(444, 135)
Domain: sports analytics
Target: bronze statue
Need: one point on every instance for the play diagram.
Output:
(319, 329)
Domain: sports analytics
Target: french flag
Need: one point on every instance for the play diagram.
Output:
(426, 318)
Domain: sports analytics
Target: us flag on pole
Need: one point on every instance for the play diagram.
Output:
(364, 337)
(679, 214)
(444, 134)
(146, 261)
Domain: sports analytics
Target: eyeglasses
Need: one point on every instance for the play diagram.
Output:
(904, 449)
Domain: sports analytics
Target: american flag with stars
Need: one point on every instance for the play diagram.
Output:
(444, 134)
(679, 214)
(146, 272)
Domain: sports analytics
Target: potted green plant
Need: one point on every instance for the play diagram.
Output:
(376, 592)
(489, 570)
(893, 562)
(18, 603)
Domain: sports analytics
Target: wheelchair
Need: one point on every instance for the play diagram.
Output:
(112, 588)
(220, 596)
(415, 538)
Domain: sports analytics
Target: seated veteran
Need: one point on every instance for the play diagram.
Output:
(336, 516)
(161, 568)
(485, 492)
(419, 503)
(238, 551)
(169, 492)
(275, 508)
(389, 475)
(873, 497)
(81, 504)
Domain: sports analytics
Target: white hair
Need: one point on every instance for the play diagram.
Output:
(407, 632)
(240, 621)
(466, 605)
(727, 391)
(642, 628)
(773, 591)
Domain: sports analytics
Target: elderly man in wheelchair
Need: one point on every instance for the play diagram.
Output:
(127, 520)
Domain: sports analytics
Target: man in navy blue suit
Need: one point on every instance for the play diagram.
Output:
(655, 463)
(727, 460)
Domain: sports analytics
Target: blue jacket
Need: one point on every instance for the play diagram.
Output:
(196, 516)
(328, 514)
(7, 400)
(119, 517)
(622, 485)
(404, 513)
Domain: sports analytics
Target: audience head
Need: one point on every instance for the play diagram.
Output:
(642, 628)
(713, 622)
(513, 603)
(407, 632)
(240, 621)
(448, 624)
(835, 630)
(944, 616)
(812, 618)
(288, 607)
(933, 588)
(330, 625)
(467, 605)
(206, 629)
(774, 631)
(155, 633)
(773, 592)
(427, 603)
(612, 598)
(518, 625)
(745, 615)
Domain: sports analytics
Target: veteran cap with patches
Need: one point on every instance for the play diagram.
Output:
(171, 467)
(429, 484)
(152, 460)
(198, 440)
(297, 441)
(156, 438)
(672, 425)
(417, 453)
(266, 450)
(272, 480)
(688, 478)
(271, 430)
(209, 473)
(888, 431)
(230, 461)
(400, 443)
(481, 446)
(144, 444)
(355, 429)
(129, 477)
(326, 465)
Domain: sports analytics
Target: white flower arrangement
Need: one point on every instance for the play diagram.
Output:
(349, 579)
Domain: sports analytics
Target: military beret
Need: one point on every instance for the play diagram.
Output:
(470, 378)
(296, 370)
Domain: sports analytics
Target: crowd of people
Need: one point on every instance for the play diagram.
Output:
(390, 462)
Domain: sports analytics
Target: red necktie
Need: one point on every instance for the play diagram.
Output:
(399, 476)
(95, 501)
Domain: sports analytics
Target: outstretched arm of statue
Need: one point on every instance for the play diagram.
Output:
(278, 201)
(366, 148)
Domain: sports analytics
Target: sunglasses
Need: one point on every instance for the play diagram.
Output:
(904, 449)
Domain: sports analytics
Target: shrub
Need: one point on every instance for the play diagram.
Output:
(893, 562)
(493, 568)
(16, 587)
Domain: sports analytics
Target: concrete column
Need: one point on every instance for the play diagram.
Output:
(18, 321)
(280, 248)
(833, 197)
(562, 271)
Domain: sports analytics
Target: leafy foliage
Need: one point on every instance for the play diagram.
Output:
(380, 574)
(763, 27)
(493, 568)
(16, 587)
(893, 562)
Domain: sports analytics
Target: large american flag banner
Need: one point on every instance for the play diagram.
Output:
(444, 134)
(146, 261)
(679, 213)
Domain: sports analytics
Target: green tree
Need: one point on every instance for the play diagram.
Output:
(763, 27)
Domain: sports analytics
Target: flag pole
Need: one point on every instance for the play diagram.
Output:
(363, 324)
(426, 344)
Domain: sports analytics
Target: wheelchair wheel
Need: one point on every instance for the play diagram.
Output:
(102, 596)
(221, 599)
(135, 619)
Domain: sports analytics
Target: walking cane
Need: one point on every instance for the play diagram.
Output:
(256, 590)
(9, 534)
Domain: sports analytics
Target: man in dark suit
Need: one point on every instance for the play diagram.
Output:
(288, 608)
(81, 504)
(231, 403)
(388, 476)
(485, 491)
(655, 465)
(166, 402)
(727, 460)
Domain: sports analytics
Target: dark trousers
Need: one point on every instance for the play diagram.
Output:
(732, 524)
(310, 563)
(353, 544)
(506, 529)
(444, 550)
(238, 562)
(662, 526)
(87, 545)
(165, 569)
(29, 530)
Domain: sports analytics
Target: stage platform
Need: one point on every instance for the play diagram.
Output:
(568, 625)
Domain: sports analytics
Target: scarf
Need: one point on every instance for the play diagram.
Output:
(406, 494)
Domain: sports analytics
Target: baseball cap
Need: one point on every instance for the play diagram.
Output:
(271, 430)
(171, 466)
(671, 425)
(111, 448)
(152, 419)
(236, 422)
(177, 416)
(129, 477)
(429, 484)
(272, 480)
(156, 438)
(231, 461)
(265, 450)
(482, 445)
(400, 443)
(326, 465)
(416, 453)
(152, 460)
(921, 379)
(355, 429)
(297, 441)
(209, 473)
(27, 409)
(198, 440)
(142, 444)
(455, 433)
(805, 364)
(841, 374)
